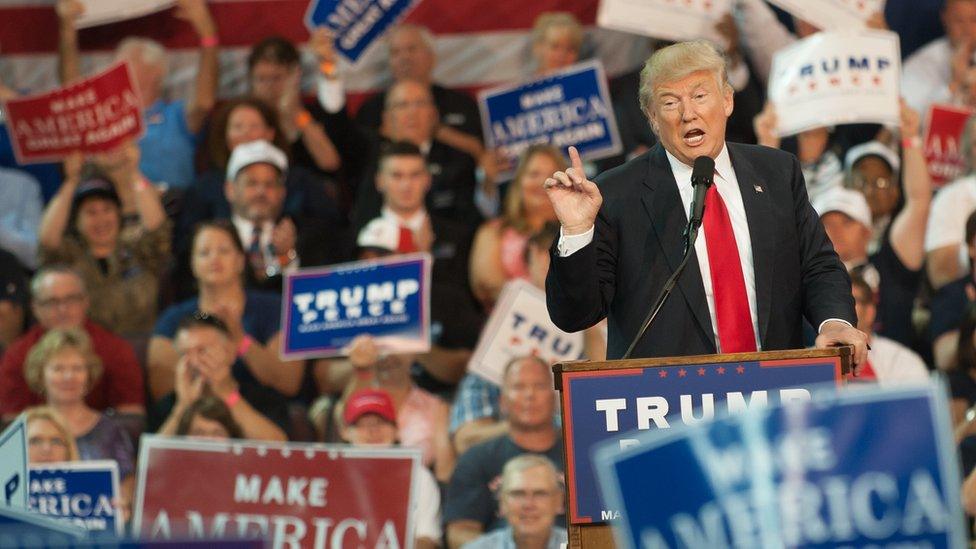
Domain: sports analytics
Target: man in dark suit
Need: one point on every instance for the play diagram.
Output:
(762, 260)
(406, 225)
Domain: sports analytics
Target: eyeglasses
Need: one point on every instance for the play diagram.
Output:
(69, 300)
(861, 183)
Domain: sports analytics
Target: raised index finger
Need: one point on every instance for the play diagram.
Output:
(574, 157)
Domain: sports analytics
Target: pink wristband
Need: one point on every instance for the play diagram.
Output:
(246, 342)
(209, 41)
(232, 399)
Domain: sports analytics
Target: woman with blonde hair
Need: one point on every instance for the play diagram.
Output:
(498, 253)
(63, 367)
(48, 438)
(557, 37)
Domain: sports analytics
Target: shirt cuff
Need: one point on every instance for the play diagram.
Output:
(739, 76)
(570, 244)
(488, 206)
(820, 328)
(331, 94)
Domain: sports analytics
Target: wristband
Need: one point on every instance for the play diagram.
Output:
(209, 41)
(140, 184)
(327, 68)
(232, 399)
(912, 142)
(246, 342)
(302, 119)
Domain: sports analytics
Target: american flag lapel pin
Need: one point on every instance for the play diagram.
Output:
(758, 188)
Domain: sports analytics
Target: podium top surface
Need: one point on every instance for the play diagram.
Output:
(845, 353)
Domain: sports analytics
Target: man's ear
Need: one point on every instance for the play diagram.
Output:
(728, 100)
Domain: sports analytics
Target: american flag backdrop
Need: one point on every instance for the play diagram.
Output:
(478, 42)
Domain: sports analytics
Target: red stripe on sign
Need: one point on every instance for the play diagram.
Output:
(244, 22)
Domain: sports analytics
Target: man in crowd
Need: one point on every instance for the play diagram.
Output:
(949, 304)
(894, 268)
(172, 127)
(889, 362)
(406, 224)
(60, 300)
(412, 57)
(207, 354)
(370, 420)
(316, 130)
(530, 499)
(410, 115)
(528, 402)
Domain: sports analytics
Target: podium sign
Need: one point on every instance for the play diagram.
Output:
(600, 403)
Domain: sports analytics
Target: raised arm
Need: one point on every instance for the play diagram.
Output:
(69, 65)
(908, 228)
(195, 12)
(55, 219)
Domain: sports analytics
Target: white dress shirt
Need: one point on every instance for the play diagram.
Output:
(415, 222)
(245, 229)
(728, 188)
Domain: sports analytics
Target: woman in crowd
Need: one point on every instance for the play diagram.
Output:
(63, 367)
(48, 438)
(108, 223)
(421, 417)
(218, 262)
(498, 253)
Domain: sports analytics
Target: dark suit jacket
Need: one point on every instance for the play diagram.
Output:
(638, 243)
(451, 193)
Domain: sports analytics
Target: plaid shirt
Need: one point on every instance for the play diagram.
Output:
(476, 399)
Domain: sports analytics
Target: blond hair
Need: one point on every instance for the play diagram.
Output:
(557, 19)
(515, 214)
(46, 413)
(54, 342)
(678, 61)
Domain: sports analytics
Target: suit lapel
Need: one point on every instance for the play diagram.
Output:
(668, 218)
(759, 218)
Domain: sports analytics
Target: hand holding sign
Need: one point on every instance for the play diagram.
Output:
(575, 198)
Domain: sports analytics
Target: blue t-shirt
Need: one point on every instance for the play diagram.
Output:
(168, 146)
(261, 320)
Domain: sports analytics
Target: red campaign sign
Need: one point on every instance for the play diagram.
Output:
(942, 138)
(292, 494)
(93, 115)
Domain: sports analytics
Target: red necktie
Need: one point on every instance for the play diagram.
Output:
(735, 331)
(406, 244)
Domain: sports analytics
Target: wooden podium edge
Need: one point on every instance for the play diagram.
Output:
(845, 353)
(600, 535)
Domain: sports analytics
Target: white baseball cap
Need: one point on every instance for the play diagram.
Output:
(255, 152)
(846, 201)
(872, 148)
(380, 233)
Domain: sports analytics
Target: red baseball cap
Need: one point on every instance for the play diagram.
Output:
(369, 401)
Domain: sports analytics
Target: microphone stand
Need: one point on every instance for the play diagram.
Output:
(690, 234)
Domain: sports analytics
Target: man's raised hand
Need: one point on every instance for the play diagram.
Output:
(575, 198)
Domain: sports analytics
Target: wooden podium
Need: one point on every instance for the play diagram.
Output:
(600, 401)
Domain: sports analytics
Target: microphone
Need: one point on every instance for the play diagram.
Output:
(702, 177)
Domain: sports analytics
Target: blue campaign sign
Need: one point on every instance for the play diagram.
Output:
(598, 405)
(857, 468)
(569, 107)
(13, 465)
(389, 299)
(79, 493)
(356, 23)
(22, 528)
